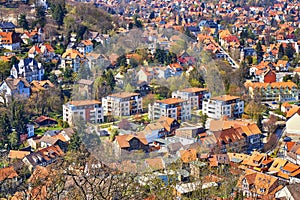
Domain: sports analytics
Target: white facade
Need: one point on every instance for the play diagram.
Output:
(122, 104)
(221, 106)
(292, 124)
(175, 108)
(194, 96)
(86, 110)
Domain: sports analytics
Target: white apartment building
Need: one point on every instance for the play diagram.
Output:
(87, 110)
(225, 105)
(194, 96)
(122, 104)
(175, 108)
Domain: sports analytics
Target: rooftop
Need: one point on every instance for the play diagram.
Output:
(84, 102)
(124, 94)
(225, 98)
(171, 101)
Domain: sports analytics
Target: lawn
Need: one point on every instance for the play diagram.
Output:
(42, 130)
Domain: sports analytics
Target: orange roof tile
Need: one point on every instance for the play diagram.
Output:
(171, 101)
(84, 102)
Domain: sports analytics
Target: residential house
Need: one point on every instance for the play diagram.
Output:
(10, 41)
(292, 123)
(230, 140)
(225, 105)
(276, 91)
(176, 69)
(28, 68)
(14, 88)
(290, 192)
(46, 51)
(292, 152)
(45, 121)
(30, 130)
(85, 47)
(10, 180)
(43, 157)
(290, 172)
(256, 185)
(17, 154)
(73, 59)
(34, 36)
(285, 107)
(47, 141)
(7, 27)
(188, 132)
(37, 86)
(164, 126)
(86, 110)
(130, 142)
(146, 74)
(95, 59)
(176, 108)
(194, 96)
(85, 88)
(122, 104)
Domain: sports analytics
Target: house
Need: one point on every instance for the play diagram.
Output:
(46, 51)
(165, 126)
(194, 96)
(85, 46)
(131, 142)
(256, 185)
(28, 68)
(73, 59)
(17, 154)
(290, 192)
(292, 152)
(45, 121)
(289, 172)
(37, 86)
(275, 91)
(10, 41)
(43, 157)
(176, 108)
(188, 132)
(292, 123)
(10, 180)
(230, 140)
(95, 59)
(225, 105)
(85, 88)
(34, 36)
(30, 130)
(176, 69)
(47, 141)
(14, 88)
(188, 155)
(86, 110)
(122, 104)
(285, 107)
(7, 27)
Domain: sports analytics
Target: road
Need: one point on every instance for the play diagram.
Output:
(231, 61)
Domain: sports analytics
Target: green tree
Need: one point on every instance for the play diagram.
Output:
(110, 79)
(22, 22)
(13, 140)
(4, 70)
(58, 12)
(5, 125)
(259, 52)
(40, 16)
(84, 72)
(203, 118)
(280, 51)
(259, 122)
(290, 51)
(75, 142)
(113, 133)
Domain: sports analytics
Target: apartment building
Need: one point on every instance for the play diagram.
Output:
(175, 108)
(122, 104)
(193, 95)
(276, 91)
(87, 110)
(225, 105)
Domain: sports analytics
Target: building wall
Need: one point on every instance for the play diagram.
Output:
(292, 124)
